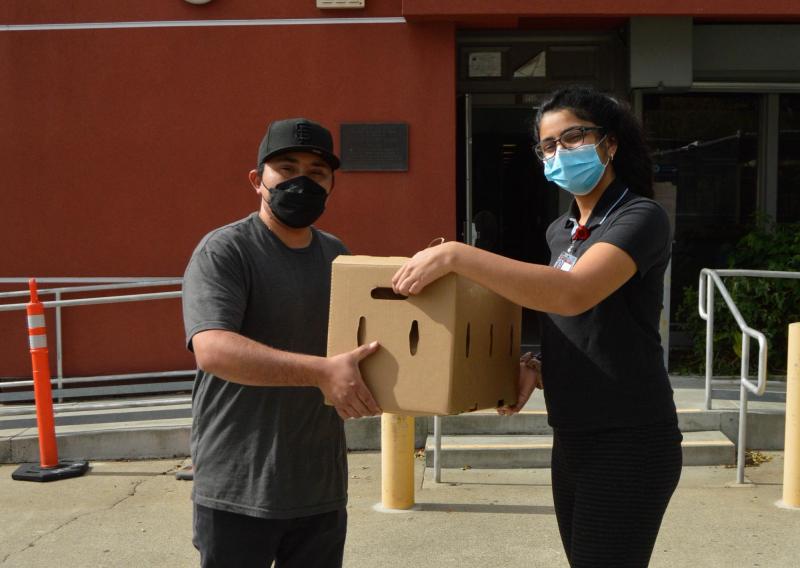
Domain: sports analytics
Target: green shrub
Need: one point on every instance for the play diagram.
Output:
(767, 305)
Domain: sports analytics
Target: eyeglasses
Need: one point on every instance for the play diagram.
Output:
(570, 139)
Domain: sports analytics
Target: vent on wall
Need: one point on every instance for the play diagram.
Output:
(340, 3)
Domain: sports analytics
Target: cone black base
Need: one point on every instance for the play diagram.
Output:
(64, 470)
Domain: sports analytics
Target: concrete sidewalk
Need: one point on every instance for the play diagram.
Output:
(136, 514)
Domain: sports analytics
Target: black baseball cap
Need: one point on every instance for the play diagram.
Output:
(297, 135)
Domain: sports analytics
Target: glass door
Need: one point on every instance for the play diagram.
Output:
(707, 147)
(507, 204)
(788, 199)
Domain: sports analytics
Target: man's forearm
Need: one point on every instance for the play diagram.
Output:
(239, 359)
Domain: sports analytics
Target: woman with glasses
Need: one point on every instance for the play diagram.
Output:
(617, 448)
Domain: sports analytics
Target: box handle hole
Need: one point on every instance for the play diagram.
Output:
(361, 335)
(413, 338)
(386, 294)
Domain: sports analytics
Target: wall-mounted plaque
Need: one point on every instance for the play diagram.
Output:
(377, 146)
(485, 64)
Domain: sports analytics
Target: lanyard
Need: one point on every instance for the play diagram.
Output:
(581, 232)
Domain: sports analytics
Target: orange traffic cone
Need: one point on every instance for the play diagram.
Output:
(49, 468)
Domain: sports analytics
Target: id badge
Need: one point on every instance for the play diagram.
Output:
(565, 261)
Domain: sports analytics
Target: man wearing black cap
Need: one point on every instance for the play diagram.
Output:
(270, 471)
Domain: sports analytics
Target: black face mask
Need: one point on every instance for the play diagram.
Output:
(297, 202)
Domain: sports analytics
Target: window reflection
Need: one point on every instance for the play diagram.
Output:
(706, 145)
(789, 160)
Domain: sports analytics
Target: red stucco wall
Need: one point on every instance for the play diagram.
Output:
(48, 11)
(121, 148)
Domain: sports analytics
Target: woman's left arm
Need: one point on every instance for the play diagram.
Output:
(601, 270)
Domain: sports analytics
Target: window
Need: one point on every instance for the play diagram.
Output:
(706, 146)
(788, 209)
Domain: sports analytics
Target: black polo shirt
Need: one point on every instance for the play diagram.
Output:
(604, 368)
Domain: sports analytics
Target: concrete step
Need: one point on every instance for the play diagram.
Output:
(765, 426)
(525, 451)
(534, 422)
(128, 430)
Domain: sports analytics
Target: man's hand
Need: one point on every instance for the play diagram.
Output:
(343, 386)
(529, 379)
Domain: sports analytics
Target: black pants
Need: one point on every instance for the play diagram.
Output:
(611, 489)
(240, 541)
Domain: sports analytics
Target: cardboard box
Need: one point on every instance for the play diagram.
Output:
(454, 348)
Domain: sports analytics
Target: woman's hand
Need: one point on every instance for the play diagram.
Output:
(530, 378)
(426, 266)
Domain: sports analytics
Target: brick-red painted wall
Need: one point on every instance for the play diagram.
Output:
(49, 11)
(121, 148)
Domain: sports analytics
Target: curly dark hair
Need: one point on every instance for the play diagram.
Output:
(633, 163)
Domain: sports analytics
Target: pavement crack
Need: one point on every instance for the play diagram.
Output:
(41, 536)
(131, 493)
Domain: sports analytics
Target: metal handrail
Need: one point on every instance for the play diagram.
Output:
(100, 378)
(96, 301)
(710, 279)
(93, 285)
(85, 279)
(94, 288)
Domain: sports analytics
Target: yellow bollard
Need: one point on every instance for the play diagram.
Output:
(397, 461)
(791, 451)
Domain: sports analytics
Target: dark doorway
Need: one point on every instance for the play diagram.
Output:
(512, 203)
(506, 75)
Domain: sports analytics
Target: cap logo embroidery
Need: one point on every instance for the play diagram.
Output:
(302, 133)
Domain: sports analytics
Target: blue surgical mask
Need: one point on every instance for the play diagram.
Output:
(578, 170)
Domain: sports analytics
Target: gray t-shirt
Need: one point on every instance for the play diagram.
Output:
(269, 452)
